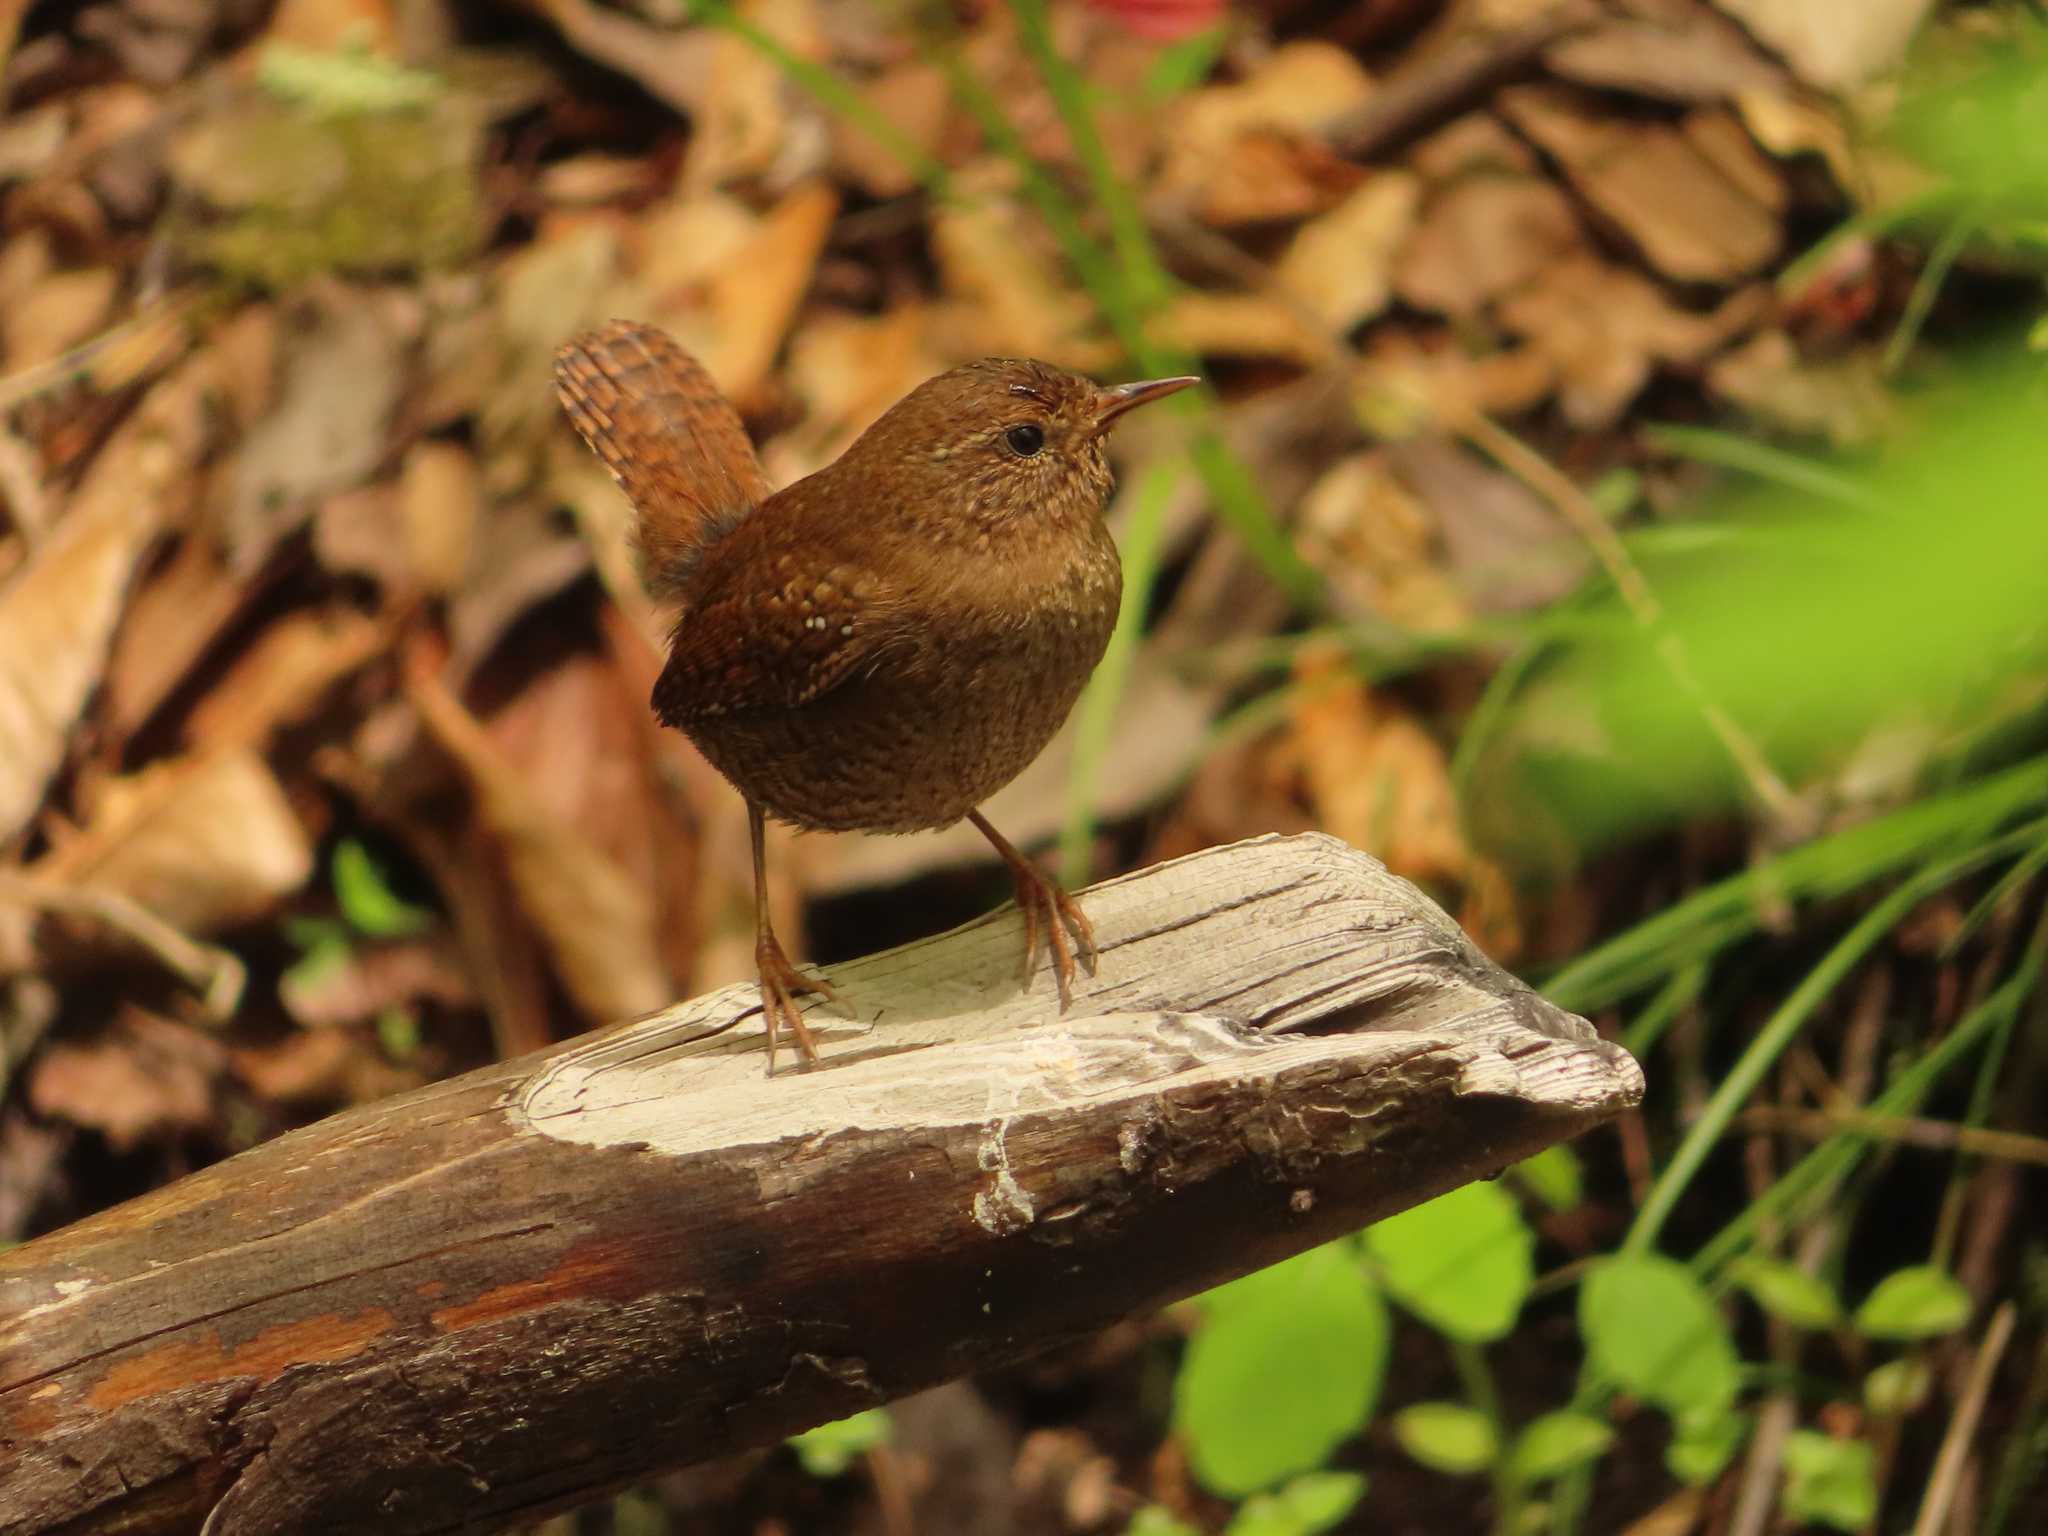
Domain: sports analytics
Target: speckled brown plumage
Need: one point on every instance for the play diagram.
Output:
(884, 644)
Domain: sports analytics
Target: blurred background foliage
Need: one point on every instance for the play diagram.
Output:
(1616, 503)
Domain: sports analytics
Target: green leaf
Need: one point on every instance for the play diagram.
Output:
(398, 1032)
(1287, 1364)
(366, 898)
(1557, 1442)
(1185, 63)
(1310, 1503)
(1830, 1481)
(1320, 1499)
(1463, 1263)
(1896, 1388)
(1447, 1437)
(343, 82)
(1788, 1292)
(1650, 1329)
(1158, 1520)
(1917, 1303)
(830, 1449)
(1704, 1444)
(326, 949)
(1552, 1176)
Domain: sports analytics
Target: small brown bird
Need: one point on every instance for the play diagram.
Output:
(886, 643)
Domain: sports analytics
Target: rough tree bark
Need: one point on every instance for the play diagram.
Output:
(514, 1291)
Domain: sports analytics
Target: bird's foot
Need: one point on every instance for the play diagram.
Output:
(1046, 906)
(781, 984)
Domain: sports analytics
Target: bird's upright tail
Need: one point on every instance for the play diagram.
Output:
(673, 442)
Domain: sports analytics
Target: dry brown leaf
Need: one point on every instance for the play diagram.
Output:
(566, 279)
(57, 313)
(847, 369)
(1246, 325)
(320, 1066)
(283, 677)
(526, 560)
(597, 920)
(1683, 53)
(1482, 238)
(1786, 124)
(673, 65)
(1690, 220)
(57, 613)
(203, 842)
(746, 124)
(1604, 328)
(1007, 292)
(1832, 45)
(576, 737)
(1407, 383)
(1844, 400)
(753, 299)
(914, 99)
(174, 619)
(1253, 151)
(356, 533)
(147, 1078)
(440, 497)
(1507, 548)
(343, 371)
(1339, 264)
(1374, 774)
(594, 179)
(1476, 144)
(1375, 538)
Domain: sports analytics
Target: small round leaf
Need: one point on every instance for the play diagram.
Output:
(1788, 1292)
(1651, 1330)
(1463, 1262)
(1829, 1481)
(1276, 1378)
(1447, 1437)
(1557, 1442)
(1917, 1303)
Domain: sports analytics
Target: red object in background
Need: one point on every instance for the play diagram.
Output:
(1162, 19)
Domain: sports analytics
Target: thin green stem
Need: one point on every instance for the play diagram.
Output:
(1095, 717)
(1784, 1027)
(1148, 284)
(1476, 1376)
(1834, 1158)
(1711, 919)
(1926, 288)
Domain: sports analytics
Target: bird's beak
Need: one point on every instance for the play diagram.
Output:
(1113, 402)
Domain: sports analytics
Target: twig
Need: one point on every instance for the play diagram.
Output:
(1962, 1429)
(1437, 87)
(1557, 488)
(215, 974)
(1933, 1135)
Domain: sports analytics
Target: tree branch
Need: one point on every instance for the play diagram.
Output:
(514, 1291)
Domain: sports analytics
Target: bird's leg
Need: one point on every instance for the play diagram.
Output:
(1044, 903)
(781, 982)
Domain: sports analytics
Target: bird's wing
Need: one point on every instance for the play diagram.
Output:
(800, 624)
(671, 440)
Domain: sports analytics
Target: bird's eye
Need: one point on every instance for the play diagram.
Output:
(1025, 439)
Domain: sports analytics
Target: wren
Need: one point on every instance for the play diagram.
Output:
(884, 644)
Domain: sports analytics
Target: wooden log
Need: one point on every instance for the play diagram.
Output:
(514, 1291)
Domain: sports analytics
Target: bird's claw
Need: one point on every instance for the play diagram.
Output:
(1046, 906)
(781, 984)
